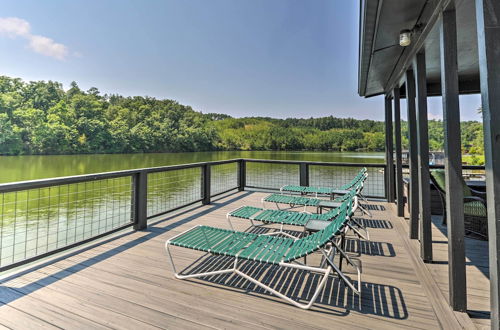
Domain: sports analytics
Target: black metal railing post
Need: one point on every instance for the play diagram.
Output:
(205, 186)
(386, 182)
(389, 150)
(140, 200)
(242, 174)
(304, 174)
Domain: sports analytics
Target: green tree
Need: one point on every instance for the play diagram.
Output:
(41, 118)
(10, 139)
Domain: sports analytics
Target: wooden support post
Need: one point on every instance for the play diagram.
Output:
(304, 174)
(242, 174)
(425, 232)
(399, 156)
(453, 161)
(389, 150)
(412, 138)
(139, 197)
(205, 184)
(488, 30)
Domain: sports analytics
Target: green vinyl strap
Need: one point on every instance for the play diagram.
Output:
(324, 190)
(262, 248)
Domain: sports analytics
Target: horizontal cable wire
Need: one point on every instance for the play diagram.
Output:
(271, 175)
(37, 221)
(223, 177)
(337, 176)
(172, 189)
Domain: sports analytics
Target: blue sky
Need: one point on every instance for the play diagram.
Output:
(279, 58)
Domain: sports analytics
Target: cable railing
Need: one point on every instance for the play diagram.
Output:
(273, 174)
(469, 172)
(41, 217)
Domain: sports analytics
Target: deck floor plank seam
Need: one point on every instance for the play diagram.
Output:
(132, 273)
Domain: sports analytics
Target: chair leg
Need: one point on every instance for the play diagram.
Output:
(342, 244)
(363, 197)
(355, 230)
(183, 277)
(284, 297)
(341, 274)
(365, 211)
(237, 271)
(359, 225)
(229, 221)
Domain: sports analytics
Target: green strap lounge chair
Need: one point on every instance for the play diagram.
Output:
(294, 200)
(306, 190)
(284, 252)
(291, 218)
(475, 209)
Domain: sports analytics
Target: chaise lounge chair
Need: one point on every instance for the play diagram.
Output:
(294, 200)
(306, 190)
(291, 218)
(264, 249)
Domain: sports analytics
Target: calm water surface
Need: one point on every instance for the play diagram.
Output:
(20, 168)
(40, 220)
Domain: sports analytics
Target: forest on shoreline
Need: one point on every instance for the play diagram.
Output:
(40, 117)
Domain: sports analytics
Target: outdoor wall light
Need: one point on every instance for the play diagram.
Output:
(405, 38)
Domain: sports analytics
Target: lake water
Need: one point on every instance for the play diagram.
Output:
(36, 221)
(20, 168)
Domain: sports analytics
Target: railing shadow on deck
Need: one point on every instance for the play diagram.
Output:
(477, 253)
(375, 296)
(10, 294)
(335, 298)
(475, 250)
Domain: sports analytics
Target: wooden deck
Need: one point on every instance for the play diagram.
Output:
(478, 284)
(126, 282)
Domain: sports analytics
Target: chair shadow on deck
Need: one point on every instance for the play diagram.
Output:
(377, 299)
(9, 294)
(375, 223)
(370, 248)
(373, 207)
(335, 299)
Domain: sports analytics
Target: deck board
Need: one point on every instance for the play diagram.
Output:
(126, 282)
(478, 286)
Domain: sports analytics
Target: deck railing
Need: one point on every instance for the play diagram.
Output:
(469, 172)
(273, 174)
(42, 217)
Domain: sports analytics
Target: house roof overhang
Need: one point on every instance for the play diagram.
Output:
(382, 61)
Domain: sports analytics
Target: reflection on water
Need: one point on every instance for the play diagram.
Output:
(36, 221)
(263, 175)
(19, 168)
(40, 220)
(171, 189)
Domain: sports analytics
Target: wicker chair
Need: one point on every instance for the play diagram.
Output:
(475, 211)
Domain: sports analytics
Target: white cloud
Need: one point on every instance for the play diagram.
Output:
(435, 116)
(13, 27)
(48, 47)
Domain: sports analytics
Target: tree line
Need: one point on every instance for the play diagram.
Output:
(40, 117)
